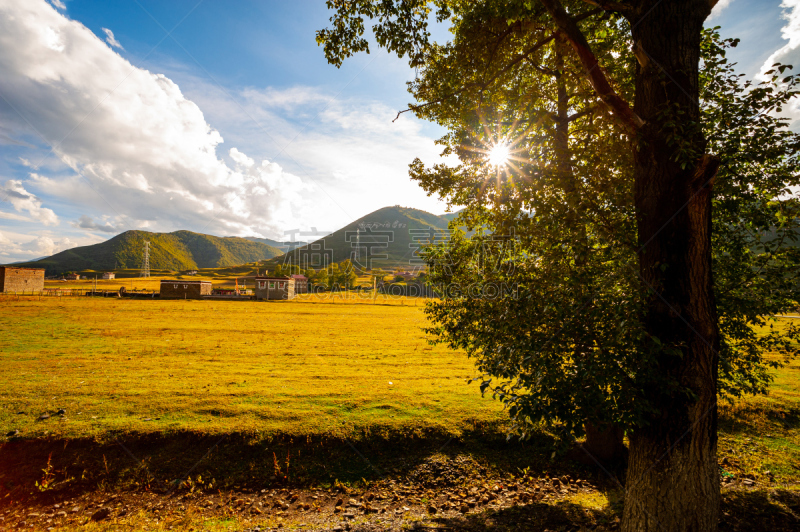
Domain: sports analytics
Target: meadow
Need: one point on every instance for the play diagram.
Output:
(339, 392)
(311, 366)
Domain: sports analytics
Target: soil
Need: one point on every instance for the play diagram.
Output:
(481, 484)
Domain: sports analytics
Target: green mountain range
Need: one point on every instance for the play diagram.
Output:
(180, 250)
(387, 237)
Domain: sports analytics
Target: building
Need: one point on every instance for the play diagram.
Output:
(21, 279)
(72, 277)
(109, 275)
(406, 275)
(270, 288)
(182, 289)
(300, 284)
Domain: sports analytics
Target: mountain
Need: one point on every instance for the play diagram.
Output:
(180, 250)
(450, 216)
(387, 237)
(285, 247)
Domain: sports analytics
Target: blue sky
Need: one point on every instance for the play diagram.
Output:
(95, 94)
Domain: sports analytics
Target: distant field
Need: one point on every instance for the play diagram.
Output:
(137, 283)
(222, 279)
(306, 367)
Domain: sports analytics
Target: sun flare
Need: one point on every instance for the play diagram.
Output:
(498, 155)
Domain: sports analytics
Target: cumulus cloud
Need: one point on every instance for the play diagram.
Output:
(22, 200)
(789, 53)
(354, 158)
(87, 222)
(140, 148)
(16, 246)
(719, 8)
(59, 4)
(111, 40)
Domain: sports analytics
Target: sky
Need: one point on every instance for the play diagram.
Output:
(224, 118)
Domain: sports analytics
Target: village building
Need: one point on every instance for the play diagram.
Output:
(300, 284)
(109, 275)
(21, 279)
(182, 289)
(275, 288)
(72, 277)
(406, 275)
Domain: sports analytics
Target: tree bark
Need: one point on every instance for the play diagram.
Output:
(672, 479)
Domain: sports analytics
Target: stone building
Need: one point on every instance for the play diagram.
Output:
(182, 289)
(271, 288)
(300, 284)
(109, 275)
(72, 277)
(21, 279)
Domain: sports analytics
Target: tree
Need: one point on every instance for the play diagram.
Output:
(347, 274)
(318, 277)
(640, 63)
(378, 275)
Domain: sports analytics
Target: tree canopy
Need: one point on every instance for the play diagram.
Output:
(644, 217)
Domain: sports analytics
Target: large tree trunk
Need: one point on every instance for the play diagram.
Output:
(672, 480)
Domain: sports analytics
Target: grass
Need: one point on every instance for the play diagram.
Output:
(329, 391)
(760, 436)
(216, 367)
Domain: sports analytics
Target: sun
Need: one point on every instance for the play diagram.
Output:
(498, 155)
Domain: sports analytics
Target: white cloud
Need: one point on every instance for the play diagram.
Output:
(719, 8)
(140, 148)
(241, 160)
(22, 200)
(19, 246)
(58, 3)
(12, 216)
(349, 151)
(88, 223)
(789, 53)
(111, 40)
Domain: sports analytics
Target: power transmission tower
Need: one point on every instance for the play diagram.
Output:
(146, 261)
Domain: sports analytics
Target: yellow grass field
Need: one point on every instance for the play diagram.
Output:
(306, 367)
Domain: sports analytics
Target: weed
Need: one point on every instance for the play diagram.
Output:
(49, 476)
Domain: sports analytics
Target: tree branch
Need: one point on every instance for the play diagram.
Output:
(587, 111)
(611, 6)
(520, 57)
(595, 73)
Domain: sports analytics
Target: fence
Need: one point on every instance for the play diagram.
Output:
(70, 292)
(336, 297)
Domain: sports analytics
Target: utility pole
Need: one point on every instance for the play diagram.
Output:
(146, 261)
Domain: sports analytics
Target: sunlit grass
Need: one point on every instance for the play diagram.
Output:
(762, 434)
(306, 367)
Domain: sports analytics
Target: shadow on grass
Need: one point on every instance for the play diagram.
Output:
(760, 510)
(758, 416)
(563, 516)
(164, 462)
